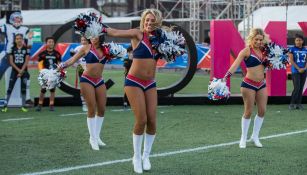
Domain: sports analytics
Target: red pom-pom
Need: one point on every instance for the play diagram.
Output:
(80, 23)
(106, 51)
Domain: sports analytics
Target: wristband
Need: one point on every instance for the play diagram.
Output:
(63, 65)
(227, 75)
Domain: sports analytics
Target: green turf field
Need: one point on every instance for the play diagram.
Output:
(198, 85)
(57, 143)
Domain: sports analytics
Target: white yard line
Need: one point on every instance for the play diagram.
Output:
(17, 119)
(129, 109)
(157, 155)
(72, 114)
(121, 110)
(113, 110)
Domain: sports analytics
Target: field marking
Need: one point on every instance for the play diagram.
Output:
(129, 109)
(158, 155)
(113, 110)
(17, 119)
(71, 114)
(121, 110)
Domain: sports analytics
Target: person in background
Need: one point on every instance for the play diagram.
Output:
(48, 59)
(18, 59)
(253, 87)
(127, 65)
(81, 66)
(298, 58)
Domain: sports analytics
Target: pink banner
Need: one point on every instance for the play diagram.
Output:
(224, 39)
(303, 26)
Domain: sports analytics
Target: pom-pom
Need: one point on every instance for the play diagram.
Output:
(51, 78)
(276, 56)
(112, 50)
(89, 24)
(167, 44)
(217, 90)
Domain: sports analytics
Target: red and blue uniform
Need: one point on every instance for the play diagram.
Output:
(143, 51)
(91, 58)
(252, 61)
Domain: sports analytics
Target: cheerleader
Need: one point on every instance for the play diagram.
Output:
(92, 86)
(140, 85)
(253, 87)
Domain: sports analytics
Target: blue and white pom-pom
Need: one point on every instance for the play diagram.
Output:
(112, 50)
(217, 90)
(276, 56)
(168, 44)
(50, 78)
(89, 24)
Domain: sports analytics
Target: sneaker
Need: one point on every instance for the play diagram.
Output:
(23, 109)
(51, 108)
(137, 165)
(29, 103)
(101, 143)
(291, 107)
(299, 106)
(4, 109)
(125, 105)
(146, 164)
(38, 108)
(84, 108)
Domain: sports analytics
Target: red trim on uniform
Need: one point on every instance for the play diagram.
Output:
(144, 83)
(253, 83)
(94, 80)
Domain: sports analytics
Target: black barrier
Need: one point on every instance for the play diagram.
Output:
(192, 64)
(163, 91)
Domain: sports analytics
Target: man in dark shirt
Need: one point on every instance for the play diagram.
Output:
(127, 65)
(48, 59)
(18, 59)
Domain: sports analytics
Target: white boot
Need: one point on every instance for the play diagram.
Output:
(255, 135)
(137, 159)
(244, 126)
(148, 141)
(99, 122)
(91, 124)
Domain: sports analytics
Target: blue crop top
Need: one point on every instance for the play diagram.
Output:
(144, 49)
(253, 60)
(92, 57)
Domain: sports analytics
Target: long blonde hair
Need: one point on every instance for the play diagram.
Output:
(253, 33)
(156, 13)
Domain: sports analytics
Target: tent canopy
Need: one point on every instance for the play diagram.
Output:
(52, 16)
(62, 16)
(262, 16)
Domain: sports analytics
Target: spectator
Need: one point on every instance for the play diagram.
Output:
(81, 66)
(297, 57)
(18, 59)
(127, 65)
(48, 59)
